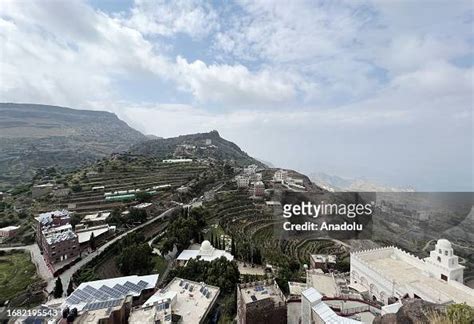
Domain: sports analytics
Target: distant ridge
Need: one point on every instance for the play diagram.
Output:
(40, 136)
(206, 145)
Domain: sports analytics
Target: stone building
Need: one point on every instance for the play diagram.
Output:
(261, 302)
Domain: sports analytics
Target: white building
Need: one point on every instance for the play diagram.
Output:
(206, 252)
(189, 300)
(250, 169)
(242, 181)
(96, 218)
(314, 310)
(391, 272)
(177, 161)
(280, 175)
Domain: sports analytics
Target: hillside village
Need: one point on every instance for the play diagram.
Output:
(183, 232)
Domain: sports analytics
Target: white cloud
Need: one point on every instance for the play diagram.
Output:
(193, 18)
(232, 84)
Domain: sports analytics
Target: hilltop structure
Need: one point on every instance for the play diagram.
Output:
(390, 273)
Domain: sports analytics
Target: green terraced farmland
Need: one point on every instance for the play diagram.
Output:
(17, 273)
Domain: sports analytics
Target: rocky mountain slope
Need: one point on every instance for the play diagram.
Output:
(39, 136)
(201, 145)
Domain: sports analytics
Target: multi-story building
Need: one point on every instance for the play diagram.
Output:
(259, 189)
(280, 175)
(391, 273)
(242, 181)
(56, 238)
(261, 302)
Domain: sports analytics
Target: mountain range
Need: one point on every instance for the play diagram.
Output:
(36, 137)
(40, 136)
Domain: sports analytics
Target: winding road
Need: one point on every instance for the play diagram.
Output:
(46, 274)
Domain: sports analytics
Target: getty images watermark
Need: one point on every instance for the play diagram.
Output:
(351, 211)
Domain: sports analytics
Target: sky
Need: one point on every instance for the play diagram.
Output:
(379, 89)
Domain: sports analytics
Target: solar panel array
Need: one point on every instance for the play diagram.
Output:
(105, 296)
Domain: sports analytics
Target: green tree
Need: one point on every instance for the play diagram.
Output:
(460, 313)
(136, 259)
(58, 289)
(92, 243)
(70, 288)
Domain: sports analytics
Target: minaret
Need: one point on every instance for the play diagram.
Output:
(443, 264)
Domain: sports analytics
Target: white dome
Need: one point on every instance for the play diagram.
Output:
(206, 246)
(443, 244)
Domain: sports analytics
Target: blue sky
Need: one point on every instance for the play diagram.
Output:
(376, 89)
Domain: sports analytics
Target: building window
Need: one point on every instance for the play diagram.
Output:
(439, 259)
(439, 251)
(446, 252)
(444, 277)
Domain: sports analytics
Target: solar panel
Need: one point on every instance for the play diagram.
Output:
(181, 283)
(253, 298)
(142, 284)
(82, 295)
(121, 288)
(132, 286)
(200, 290)
(191, 287)
(109, 291)
(208, 294)
(186, 286)
(73, 300)
(89, 290)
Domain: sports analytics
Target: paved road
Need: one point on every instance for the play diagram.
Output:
(66, 275)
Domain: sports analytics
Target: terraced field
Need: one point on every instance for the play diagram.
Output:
(128, 176)
(254, 223)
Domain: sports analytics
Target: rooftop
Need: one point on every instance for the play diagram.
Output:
(97, 217)
(9, 228)
(46, 218)
(189, 299)
(296, 288)
(407, 274)
(57, 237)
(107, 293)
(259, 290)
(325, 283)
(84, 235)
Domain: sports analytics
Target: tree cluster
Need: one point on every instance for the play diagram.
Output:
(184, 228)
(135, 255)
(220, 272)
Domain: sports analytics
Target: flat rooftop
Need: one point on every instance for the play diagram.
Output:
(189, 299)
(404, 273)
(325, 283)
(255, 291)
